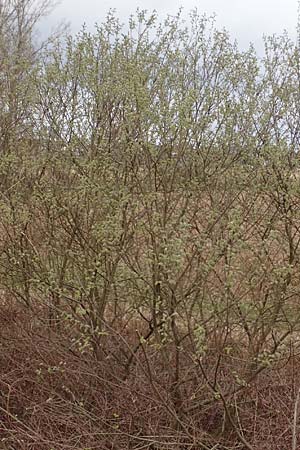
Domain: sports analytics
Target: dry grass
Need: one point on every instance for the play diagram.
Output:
(53, 397)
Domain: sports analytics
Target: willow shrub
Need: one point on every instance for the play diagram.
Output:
(160, 192)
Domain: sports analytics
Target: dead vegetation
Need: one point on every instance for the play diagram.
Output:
(53, 396)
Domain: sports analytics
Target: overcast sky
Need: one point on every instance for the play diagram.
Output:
(246, 20)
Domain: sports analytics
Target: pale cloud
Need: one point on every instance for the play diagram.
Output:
(246, 20)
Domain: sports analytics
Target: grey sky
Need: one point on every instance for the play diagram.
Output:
(246, 20)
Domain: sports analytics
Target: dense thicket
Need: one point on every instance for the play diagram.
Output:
(149, 245)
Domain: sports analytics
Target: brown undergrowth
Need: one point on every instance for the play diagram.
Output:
(55, 397)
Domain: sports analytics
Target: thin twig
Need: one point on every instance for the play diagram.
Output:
(294, 442)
